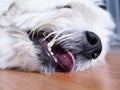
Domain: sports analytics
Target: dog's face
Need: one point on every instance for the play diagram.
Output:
(58, 37)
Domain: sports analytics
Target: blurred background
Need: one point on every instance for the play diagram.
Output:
(113, 6)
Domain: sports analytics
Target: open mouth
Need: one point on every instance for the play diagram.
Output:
(64, 59)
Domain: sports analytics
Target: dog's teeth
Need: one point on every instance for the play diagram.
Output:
(55, 60)
(52, 53)
(53, 56)
(49, 49)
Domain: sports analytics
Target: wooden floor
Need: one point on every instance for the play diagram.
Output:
(104, 77)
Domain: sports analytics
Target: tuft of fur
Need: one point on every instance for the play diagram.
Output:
(66, 19)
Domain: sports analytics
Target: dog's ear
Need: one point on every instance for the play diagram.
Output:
(4, 5)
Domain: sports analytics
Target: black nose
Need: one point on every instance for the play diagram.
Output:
(93, 46)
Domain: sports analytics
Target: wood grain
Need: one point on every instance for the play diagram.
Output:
(102, 77)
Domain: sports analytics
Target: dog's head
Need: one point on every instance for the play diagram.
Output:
(61, 35)
(67, 50)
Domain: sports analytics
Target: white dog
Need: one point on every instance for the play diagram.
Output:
(53, 35)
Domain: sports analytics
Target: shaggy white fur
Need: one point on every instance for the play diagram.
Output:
(59, 16)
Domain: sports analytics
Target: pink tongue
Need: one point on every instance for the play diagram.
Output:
(65, 60)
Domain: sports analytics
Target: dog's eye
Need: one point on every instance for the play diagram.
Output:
(43, 34)
(66, 6)
(102, 6)
(40, 34)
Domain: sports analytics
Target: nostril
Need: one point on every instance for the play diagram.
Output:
(91, 38)
(96, 54)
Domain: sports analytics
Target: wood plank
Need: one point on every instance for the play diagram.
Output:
(103, 77)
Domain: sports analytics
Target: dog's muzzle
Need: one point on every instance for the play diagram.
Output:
(64, 60)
